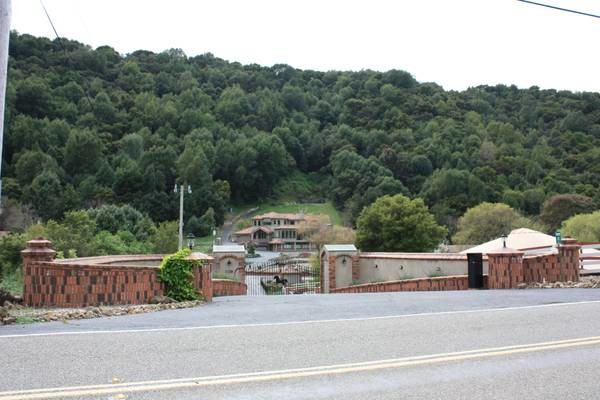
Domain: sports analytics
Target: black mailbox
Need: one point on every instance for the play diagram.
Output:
(475, 261)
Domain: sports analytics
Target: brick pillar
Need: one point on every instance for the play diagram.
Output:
(568, 257)
(355, 268)
(505, 269)
(331, 263)
(207, 287)
(37, 250)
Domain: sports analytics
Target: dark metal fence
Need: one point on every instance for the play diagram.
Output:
(277, 277)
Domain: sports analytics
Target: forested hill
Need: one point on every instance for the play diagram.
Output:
(88, 127)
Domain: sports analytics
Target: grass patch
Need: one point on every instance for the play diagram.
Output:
(222, 275)
(436, 274)
(203, 244)
(25, 319)
(308, 208)
(13, 283)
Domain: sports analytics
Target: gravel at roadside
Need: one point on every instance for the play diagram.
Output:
(15, 313)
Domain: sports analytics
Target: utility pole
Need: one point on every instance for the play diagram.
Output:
(181, 189)
(5, 12)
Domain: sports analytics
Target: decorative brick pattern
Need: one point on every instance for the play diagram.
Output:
(509, 268)
(505, 269)
(332, 272)
(226, 287)
(355, 267)
(48, 284)
(89, 282)
(411, 285)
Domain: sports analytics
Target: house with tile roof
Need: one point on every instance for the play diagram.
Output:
(275, 232)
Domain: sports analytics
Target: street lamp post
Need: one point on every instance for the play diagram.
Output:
(5, 14)
(190, 242)
(181, 189)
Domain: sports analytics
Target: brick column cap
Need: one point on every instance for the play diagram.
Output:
(39, 242)
(569, 243)
(39, 246)
(505, 251)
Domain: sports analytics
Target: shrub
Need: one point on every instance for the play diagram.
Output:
(166, 237)
(10, 254)
(583, 227)
(177, 274)
(488, 221)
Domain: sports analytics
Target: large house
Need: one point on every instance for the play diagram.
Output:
(275, 232)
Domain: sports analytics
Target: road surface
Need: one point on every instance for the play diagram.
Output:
(535, 344)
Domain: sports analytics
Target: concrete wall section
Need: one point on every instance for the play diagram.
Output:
(343, 271)
(374, 267)
(232, 263)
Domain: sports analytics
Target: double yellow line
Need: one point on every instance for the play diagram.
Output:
(221, 380)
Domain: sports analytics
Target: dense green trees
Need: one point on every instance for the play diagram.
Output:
(559, 208)
(397, 223)
(90, 127)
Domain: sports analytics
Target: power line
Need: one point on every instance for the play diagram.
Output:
(64, 49)
(560, 8)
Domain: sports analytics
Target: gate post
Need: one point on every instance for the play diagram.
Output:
(37, 250)
(339, 266)
(207, 286)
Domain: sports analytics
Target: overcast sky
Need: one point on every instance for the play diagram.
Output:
(457, 44)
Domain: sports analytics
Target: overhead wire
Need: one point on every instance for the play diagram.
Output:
(560, 8)
(64, 49)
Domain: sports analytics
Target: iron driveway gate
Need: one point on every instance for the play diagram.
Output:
(281, 277)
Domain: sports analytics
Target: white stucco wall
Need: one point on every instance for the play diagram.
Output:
(343, 272)
(385, 269)
(220, 264)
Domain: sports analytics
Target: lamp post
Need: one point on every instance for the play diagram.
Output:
(181, 189)
(190, 241)
(5, 14)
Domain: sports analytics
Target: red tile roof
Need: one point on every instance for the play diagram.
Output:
(252, 229)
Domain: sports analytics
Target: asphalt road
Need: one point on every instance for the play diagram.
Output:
(535, 344)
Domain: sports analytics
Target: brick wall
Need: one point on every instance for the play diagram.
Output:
(47, 284)
(93, 281)
(226, 287)
(505, 269)
(410, 285)
(508, 268)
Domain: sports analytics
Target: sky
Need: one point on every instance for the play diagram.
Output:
(457, 44)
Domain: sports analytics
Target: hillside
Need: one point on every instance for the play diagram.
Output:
(89, 127)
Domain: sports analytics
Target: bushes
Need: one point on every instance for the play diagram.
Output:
(583, 227)
(10, 254)
(177, 274)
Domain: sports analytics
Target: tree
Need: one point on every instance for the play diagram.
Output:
(83, 152)
(113, 218)
(561, 207)
(488, 221)
(583, 227)
(207, 222)
(397, 223)
(166, 238)
(454, 188)
(44, 194)
(75, 232)
(319, 230)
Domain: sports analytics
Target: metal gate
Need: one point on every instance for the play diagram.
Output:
(281, 277)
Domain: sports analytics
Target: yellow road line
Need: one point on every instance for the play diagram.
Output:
(185, 383)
